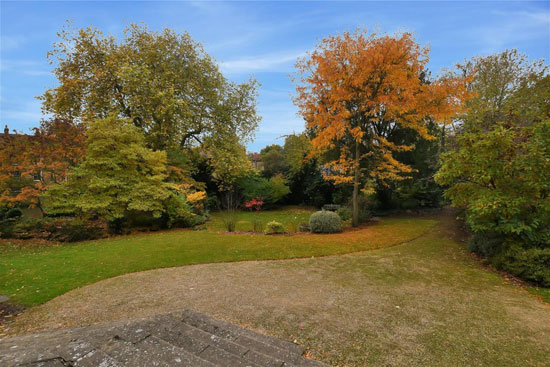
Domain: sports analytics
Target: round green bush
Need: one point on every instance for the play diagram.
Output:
(274, 227)
(325, 222)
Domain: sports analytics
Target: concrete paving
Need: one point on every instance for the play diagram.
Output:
(185, 338)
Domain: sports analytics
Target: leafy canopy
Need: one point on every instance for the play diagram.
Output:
(273, 160)
(499, 167)
(355, 89)
(119, 174)
(358, 88)
(162, 82)
(31, 163)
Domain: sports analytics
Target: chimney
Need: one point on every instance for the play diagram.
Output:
(6, 131)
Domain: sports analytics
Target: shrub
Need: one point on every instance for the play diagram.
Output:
(278, 188)
(118, 226)
(254, 204)
(14, 213)
(213, 202)
(520, 259)
(486, 244)
(410, 203)
(366, 206)
(531, 264)
(54, 229)
(325, 222)
(179, 213)
(136, 219)
(75, 230)
(331, 207)
(3, 211)
(344, 213)
(7, 228)
(274, 227)
(34, 228)
(304, 227)
(271, 190)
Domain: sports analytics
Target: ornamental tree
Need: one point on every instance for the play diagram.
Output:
(355, 89)
(120, 174)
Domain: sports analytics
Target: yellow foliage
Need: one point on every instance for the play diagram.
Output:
(196, 197)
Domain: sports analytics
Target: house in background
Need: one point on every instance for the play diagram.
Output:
(16, 181)
(256, 161)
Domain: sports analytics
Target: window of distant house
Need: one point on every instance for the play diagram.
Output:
(36, 176)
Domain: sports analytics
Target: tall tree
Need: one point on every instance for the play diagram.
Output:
(273, 160)
(498, 167)
(355, 89)
(296, 150)
(163, 82)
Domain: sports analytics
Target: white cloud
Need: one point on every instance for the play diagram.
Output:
(540, 16)
(27, 67)
(512, 28)
(279, 118)
(279, 62)
(11, 42)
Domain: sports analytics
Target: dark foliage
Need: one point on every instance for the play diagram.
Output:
(528, 262)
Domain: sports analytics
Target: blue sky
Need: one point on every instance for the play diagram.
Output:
(262, 39)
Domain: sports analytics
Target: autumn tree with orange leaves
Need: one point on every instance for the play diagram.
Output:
(355, 89)
(31, 163)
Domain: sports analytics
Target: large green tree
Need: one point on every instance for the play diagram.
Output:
(498, 166)
(273, 160)
(304, 175)
(162, 82)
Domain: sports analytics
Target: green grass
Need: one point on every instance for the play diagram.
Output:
(35, 274)
(542, 293)
(290, 217)
(426, 302)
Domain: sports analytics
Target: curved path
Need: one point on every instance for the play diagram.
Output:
(425, 302)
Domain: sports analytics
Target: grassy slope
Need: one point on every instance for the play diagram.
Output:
(31, 276)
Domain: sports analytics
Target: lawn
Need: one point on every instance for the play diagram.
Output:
(290, 217)
(427, 302)
(35, 274)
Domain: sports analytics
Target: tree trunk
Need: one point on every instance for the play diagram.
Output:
(355, 197)
(39, 206)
